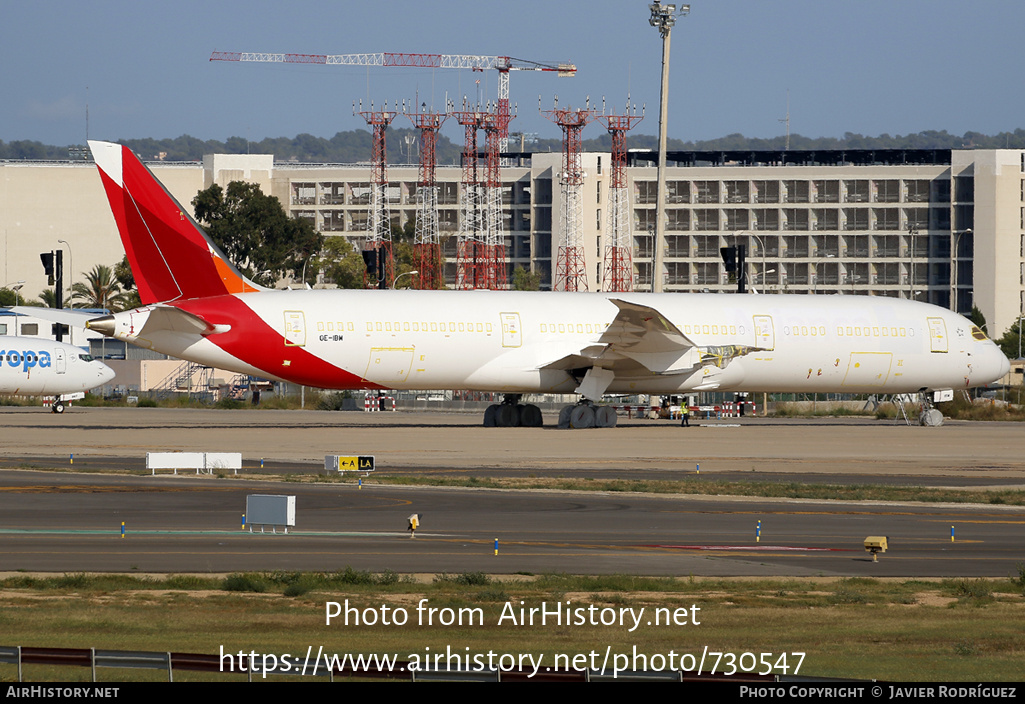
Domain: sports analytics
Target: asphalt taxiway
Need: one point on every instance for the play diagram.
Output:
(66, 521)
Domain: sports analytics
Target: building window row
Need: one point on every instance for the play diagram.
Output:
(797, 191)
(797, 219)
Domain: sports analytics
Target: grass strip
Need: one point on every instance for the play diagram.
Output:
(711, 487)
(926, 630)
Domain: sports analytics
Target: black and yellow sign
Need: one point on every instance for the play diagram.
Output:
(360, 463)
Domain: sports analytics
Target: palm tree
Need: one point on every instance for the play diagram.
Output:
(100, 290)
(48, 298)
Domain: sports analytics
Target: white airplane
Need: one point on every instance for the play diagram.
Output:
(199, 307)
(33, 367)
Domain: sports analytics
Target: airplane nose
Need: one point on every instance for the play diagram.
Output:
(995, 362)
(1005, 364)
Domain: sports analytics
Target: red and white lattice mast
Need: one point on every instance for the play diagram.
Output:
(570, 264)
(496, 131)
(377, 252)
(617, 271)
(470, 250)
(427, 242)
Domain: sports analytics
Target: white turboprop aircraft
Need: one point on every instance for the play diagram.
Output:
(30, 366)
(199, 307)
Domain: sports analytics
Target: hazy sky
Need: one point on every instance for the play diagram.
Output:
(866, 66)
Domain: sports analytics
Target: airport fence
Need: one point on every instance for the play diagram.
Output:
(259, 666)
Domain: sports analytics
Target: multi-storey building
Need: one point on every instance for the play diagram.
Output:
(942, 226)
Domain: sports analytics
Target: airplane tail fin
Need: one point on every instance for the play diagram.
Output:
(171, 256)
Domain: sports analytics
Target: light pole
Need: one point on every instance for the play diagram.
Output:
(16, 287)
(912, 231)
(763, 273)
(71, 301)
(1019, 335)
(408, 273)
(305, 263)
(953, 269)
(663, 17)
(1022, 383)
(71, 265)
(761, 245)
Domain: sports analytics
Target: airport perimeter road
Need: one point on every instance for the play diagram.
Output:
(847, 450)
(63, 522)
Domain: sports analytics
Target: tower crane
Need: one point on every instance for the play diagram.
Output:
(502, 64)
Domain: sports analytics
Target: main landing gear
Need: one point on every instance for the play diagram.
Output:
(587, 415)
(57, 406)
(510, 413)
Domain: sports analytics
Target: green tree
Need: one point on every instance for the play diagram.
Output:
(1010, 342)
(100, 289)
(341, 263)
(978, 318)
(255, 233)
(8, 297)
(525, 280)
(48, 297)
(125, 277)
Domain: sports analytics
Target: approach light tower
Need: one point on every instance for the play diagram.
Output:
(570, 266)
(617, 271)
(663, 17)
(469, 274)
(427, 242)
(377, 253)
(496, 131)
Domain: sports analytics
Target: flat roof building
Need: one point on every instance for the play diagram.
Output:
(944, 226)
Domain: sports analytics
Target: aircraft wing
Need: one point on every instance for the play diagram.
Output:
(638, 341)
(638, 338)
(643, 334)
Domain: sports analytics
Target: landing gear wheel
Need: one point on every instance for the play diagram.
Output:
(564, 415)
(581, 417)
(491, 416)
(530, 416)
(507, 416)
(605, 417)
(57, 407)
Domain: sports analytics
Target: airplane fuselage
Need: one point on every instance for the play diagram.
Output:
(199, 307)
(34, 367)
(514, 341)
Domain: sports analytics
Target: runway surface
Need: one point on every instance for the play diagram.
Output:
(61, 521)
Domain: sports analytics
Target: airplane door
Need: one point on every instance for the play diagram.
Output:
(868, 369)
(511, 336)
(295, 328)
(389, 366)
(765, 336)
(61, 361)
(937, 334)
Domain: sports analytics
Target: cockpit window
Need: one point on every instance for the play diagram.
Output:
(977, 333)
(86, 357)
